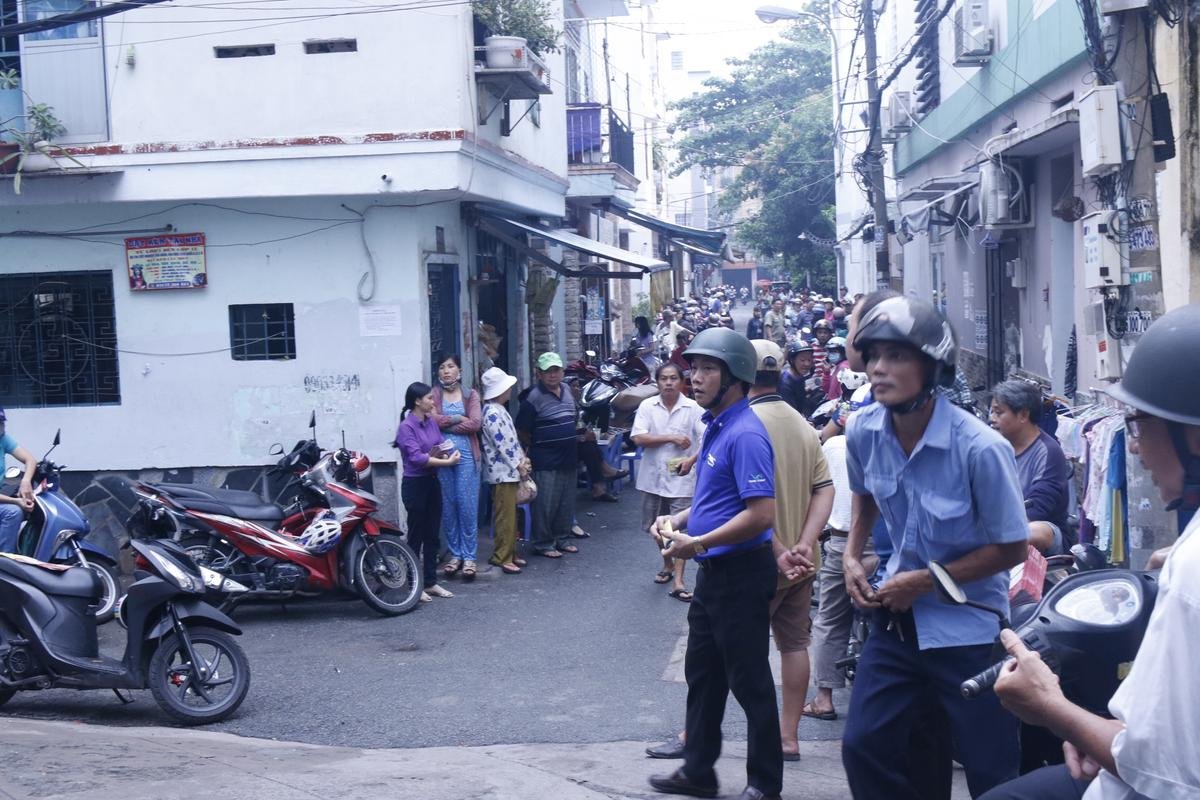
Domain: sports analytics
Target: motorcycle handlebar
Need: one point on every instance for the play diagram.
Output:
(975, 686)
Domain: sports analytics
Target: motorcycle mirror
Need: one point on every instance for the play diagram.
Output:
(952, 593)
(343, 438)
(1088, 557)
(57, 437)
(947, 587)
(312, 420)
(12, 472)
(276, 449)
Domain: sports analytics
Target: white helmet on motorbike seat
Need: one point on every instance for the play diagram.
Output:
(852, 380)
(322, 534)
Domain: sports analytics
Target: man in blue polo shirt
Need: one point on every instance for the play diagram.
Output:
(729, 534)
(546, 428)
(946, 487)
(13, 509)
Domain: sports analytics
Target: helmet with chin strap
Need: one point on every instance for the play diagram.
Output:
(1145, 386)
(917, 324)
(731, 349)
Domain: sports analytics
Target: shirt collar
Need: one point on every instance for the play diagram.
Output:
(727, 414)
(937, 431)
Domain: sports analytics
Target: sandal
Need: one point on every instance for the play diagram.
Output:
(425, 598)
(451, 567)
(438, 591)
(681, 594)
(579, 533)
(511, 569)
(828, 716)
(468, 570)
(569, 548)
(549, 553)
(520, 562)
(662, 576)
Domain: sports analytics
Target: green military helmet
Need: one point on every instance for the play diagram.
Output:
(728, 347)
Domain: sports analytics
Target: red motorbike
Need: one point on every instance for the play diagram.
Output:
(326, 539)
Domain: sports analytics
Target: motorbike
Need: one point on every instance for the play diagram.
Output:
(1087, 628)
(53, 512)
(177, 646)
(327, 538)
(626, 370)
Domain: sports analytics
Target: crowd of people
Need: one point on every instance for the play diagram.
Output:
(906, 477)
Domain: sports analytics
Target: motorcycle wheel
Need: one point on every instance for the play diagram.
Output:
(196, 702)
(110, 583)
(388, 575)
(215, 556)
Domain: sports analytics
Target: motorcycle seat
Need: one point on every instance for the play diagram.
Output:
(235, 497)
(72, 582)
(260, 512)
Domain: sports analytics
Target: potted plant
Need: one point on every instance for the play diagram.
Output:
(28, 134)
(515, 25)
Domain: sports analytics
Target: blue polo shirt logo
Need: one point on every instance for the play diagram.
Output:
(710, 460)
(757, 477)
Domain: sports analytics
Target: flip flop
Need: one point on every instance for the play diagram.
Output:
(569, 548)
(520, 562)
(791, 756)
(681, 594)
(663, 576)
(511, 569)
(604, 498)
(828, 716)
(549, 553)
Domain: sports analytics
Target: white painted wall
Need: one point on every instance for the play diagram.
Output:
(209, 409)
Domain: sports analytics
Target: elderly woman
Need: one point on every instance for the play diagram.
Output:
(504, 464)
(459, 416)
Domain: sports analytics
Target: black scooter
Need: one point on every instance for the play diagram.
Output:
(178, 646)
(1087, 629)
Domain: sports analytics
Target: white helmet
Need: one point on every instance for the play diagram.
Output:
(852, 380)
(322, 534)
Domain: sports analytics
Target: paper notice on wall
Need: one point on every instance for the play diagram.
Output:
(170, 261)
(593, 327)
(382, 320)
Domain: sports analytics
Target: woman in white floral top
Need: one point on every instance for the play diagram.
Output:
(503, 466)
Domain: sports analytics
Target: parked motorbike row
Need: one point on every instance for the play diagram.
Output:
(199, 551)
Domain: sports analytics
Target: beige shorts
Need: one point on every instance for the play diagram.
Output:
(791, 617)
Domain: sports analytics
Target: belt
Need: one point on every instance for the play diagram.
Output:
(839, 534)
(727, 559)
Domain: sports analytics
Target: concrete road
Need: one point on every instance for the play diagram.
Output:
(544, 684)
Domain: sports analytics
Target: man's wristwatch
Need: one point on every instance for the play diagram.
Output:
(699, 546)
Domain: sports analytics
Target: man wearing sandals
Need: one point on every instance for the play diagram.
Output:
(800, 516)
(668, 429)
(546, 429)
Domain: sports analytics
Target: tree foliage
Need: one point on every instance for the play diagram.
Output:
(772, 121)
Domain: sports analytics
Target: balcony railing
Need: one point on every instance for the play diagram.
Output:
(596, 136)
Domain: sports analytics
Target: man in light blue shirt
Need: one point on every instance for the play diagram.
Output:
(13, 509)
(946, 487)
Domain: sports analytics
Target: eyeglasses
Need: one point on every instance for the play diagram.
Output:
(1133, 424)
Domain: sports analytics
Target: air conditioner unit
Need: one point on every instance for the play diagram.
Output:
(972, 33)
(1004, 198)
(900, 111)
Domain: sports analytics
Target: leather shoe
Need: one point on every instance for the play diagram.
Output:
(679, 783)
(750, 793)
(671, 748)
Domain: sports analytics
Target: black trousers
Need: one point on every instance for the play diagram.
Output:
(422, 498)
(728, 636)
(1047, 783)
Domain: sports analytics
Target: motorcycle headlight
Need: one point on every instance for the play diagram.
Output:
(168, 568)
(215, 580)
(1110, 602)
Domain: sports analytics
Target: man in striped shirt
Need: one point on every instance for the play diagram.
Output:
(546, 428)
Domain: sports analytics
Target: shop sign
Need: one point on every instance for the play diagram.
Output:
(170, 261)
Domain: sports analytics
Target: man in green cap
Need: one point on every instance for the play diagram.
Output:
(546, 428)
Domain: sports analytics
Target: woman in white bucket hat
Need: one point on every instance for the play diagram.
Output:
(503, 466)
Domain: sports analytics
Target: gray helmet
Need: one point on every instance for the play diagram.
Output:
(729, 347)
(1161, 378)
(916, 323)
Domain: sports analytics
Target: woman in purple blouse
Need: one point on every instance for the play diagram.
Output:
(419, 440)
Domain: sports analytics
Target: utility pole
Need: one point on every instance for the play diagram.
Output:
(874, 154)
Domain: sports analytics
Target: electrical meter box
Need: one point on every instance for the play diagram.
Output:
(1100, 130)
(1101, 255)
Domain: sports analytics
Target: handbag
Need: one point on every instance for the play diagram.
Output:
(526, 491)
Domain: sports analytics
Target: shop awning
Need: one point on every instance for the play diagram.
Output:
(1056, 132)
(700, 251)
(712, 241)
(507, 230)
(931, 213)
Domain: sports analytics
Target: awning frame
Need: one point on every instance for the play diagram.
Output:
(678, 234)
(495, 227)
